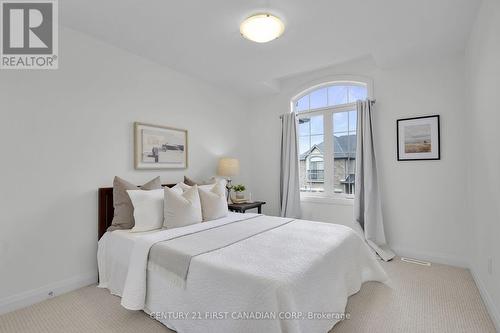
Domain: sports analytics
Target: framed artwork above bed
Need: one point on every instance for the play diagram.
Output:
(160, 147)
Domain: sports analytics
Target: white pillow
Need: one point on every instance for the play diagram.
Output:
(148, 209)
(213, 201)
(182, 209)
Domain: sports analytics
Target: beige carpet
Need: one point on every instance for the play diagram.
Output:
(421, 299)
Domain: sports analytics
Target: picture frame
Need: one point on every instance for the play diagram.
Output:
(419, 138)
(160, 147)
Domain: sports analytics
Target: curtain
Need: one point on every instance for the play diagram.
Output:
(367, 204)
(289, 168)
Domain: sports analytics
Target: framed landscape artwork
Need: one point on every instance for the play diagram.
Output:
(160, 147)
(418, 138)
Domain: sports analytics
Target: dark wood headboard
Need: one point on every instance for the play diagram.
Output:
(106, 210)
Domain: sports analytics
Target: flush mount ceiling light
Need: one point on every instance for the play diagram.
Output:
(262, 28)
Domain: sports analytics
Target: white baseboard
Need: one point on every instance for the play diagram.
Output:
(488, 301)
(437, 258)
(33, 296)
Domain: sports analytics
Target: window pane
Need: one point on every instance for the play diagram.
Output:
(344, 152)
(311, 154)
(357, 93)
(304, 144)
(304, 126)
(317, 140)
(340, 122)
(319, 98)
(337, 95)
(302, 104)
(317, 125)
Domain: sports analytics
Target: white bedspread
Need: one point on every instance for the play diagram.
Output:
(287, 274)
(134, 294)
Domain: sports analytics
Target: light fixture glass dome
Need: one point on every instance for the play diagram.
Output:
(262, 28)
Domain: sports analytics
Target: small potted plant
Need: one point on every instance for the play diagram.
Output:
(239, 191)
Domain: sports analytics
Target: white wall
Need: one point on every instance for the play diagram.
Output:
(423, 202)
(483, 87)
(67, 132)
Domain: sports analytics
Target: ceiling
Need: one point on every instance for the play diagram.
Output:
(201, 38)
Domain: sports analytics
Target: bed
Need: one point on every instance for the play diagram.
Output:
(286, 276)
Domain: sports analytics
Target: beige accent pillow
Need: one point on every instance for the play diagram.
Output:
(213, 202)
(183, 186)
(190, 182)
(182, 209)
(124, 210)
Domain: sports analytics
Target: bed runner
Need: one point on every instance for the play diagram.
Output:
(175, 255)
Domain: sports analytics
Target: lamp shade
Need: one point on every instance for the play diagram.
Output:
(228, 167)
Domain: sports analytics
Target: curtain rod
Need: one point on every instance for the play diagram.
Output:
(373, 101)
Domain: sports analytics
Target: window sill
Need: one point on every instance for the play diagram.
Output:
(341, 200)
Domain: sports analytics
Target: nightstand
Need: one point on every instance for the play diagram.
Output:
(243, 207)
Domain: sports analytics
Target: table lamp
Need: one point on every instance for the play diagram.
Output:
(228, 167)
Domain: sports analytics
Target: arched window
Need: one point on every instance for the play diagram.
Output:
(327, 137)
(334, 94)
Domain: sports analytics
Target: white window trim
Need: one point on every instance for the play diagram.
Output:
(346, 200)
(329, 196)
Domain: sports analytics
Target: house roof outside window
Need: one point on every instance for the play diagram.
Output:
(344, 148)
